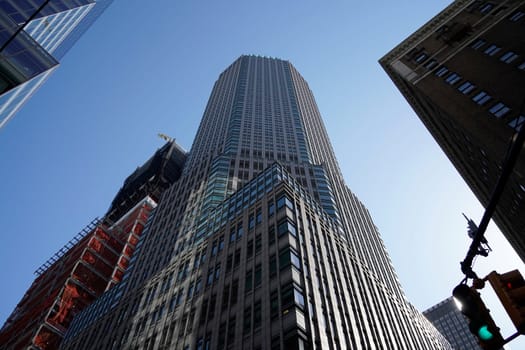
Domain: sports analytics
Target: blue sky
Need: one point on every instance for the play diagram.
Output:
(148, 66)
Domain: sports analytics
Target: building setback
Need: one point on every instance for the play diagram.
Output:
(450, 322)
(28, 57)
(260, 244)
(93, 262)
(463, 73)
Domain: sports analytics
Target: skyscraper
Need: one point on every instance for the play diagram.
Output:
(94, 261)
(463, 73)
(260, 244)
(447, 318)
(29, 56)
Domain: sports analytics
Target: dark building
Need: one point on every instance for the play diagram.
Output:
(93, 262)
(34, 36)
(450, 322)
(260, 244)
(463, 72)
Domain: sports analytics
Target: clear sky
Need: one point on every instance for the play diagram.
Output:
(149, 66)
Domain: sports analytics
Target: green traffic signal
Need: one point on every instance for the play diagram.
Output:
(484, 333)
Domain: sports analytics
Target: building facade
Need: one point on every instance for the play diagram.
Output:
(463, 73)
(450, 322)
(260, 244)
(93, 262)
(28, 57)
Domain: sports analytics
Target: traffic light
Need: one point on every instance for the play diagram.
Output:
(510, 289)
(480, 321)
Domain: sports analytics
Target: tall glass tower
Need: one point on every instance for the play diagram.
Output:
(260, 244)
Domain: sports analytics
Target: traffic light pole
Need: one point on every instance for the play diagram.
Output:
(517, 145)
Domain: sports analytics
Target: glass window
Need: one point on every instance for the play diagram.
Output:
(486, 8)
(481, 98)
(271, 209)
(221, 243)
(522, 66)
(286, 227)
(499, 109)
(288, 256)
(453, 78)
(508, 57)
(477, 44)
(466, 87)
(258, 275)
(283, 200)
(441, 71)
(431, 64)
(217, 271)
(517, 123)
(274, 304)
(298, 298)
(516, 16)
(421, 57)
(492, 50)
(248, 282)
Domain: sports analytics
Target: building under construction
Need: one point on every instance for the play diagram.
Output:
(93, 261)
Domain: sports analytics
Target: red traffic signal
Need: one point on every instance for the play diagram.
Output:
(510, 289)
(481, 323)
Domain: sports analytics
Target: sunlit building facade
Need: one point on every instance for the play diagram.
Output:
(28, 57)
(260, 244)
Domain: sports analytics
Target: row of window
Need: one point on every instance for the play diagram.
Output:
(499, 109)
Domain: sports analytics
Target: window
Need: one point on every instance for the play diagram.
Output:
(517, 123)
(271, 235)
(217, 271)
(274, 305)
(229, 263)
(516, 16)
(288, 256)
(271, 209)
(240, 231)
(478, 44)
(492, 50)
(247, 320)
(258, 275)
(522, 66)
(441, 71)
(286, 227)
(431, 64)
(508, 57)
(499, 109)
(273, 265)
(251, 222)
(221, 243)
(486, 8)
(453, 78)
(232, 235)
(257, 314)
(248, 282)
(291, 295)
(466, 87)
(282, 201)
(421, 57)
(481, 98)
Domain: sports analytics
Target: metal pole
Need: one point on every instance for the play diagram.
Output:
(517, 145)
(23, 25)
